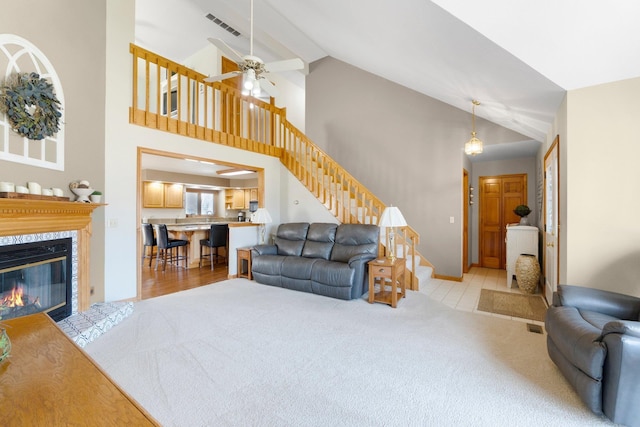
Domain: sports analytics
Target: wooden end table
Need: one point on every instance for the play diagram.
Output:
(387, 273)
(244, 260)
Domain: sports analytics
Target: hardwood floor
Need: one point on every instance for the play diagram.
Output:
(174, 279)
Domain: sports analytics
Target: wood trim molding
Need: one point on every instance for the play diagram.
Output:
(25, 216)
(451, 278)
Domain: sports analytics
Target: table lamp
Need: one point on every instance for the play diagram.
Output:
(392, 218)
(262, 217)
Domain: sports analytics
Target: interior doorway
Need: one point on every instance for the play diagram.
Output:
(152, 282)
(551, 266)
(499, 195)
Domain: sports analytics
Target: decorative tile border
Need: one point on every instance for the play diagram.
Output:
(39, 237)
(85, 327)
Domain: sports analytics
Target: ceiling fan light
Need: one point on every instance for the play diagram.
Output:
(255, 91)
(249, 80)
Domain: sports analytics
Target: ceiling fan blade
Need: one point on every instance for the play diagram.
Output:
(286, 65)
(226, 49)
(268, 87)
(222, 76)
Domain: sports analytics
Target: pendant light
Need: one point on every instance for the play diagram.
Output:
(474, 145)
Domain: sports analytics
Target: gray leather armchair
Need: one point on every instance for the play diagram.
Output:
(593, 336)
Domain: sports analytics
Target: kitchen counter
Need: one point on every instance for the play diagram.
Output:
(194, 232)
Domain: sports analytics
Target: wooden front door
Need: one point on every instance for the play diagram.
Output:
(499, 195)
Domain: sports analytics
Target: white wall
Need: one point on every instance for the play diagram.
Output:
(123, 140)
(297, 204)
(602, 176)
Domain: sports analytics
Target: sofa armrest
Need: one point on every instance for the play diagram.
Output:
(360, 259)
(624, 327)
(622, 306)
(621, 373)
(264, 250)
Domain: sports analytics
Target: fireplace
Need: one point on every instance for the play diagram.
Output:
(36, 277)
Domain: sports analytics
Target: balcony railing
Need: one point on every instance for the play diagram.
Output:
(170, 97)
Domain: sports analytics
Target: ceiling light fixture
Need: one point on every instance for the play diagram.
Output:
(233, 172)
(474, 145)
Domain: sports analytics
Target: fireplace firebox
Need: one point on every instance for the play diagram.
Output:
(36, 277)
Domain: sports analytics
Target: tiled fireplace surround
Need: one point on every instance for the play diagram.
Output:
(39, 237)
(26, 220)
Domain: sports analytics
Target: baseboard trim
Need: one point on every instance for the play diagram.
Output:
(452, 278)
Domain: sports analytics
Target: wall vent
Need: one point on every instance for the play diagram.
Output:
(536, 329)
(219, 22)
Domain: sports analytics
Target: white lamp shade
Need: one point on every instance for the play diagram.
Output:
(261, 216)
(392, 217)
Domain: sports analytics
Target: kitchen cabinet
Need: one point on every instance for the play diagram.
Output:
(162, 195)
(249, 195)
(173, 196)
(239, 198)
(152, 195)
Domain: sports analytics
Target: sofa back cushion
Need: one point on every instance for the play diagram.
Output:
(290, 238)
(320, 239)
(355, 239)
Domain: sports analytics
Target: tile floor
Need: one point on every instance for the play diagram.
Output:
(465, 295)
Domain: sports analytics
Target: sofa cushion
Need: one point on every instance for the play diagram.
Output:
(297, 267)
(270, 265)
(577, 338)
(355, 239)
(320, 239)
(289, 247)
(293, 231)
(290, 238)
(597, 320)
(332, 273)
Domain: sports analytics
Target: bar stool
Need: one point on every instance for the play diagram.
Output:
(148, 241)
(218, 234)
(166, 245)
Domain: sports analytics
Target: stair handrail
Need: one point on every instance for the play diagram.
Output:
(218, 112)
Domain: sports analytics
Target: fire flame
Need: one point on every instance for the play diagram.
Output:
(15, 299)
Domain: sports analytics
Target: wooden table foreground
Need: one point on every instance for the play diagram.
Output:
(48, 380)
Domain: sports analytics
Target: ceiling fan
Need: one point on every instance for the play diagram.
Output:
(252, 68)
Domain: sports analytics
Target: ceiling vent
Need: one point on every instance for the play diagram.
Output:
(223, 24)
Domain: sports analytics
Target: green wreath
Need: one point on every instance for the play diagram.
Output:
(31, 106)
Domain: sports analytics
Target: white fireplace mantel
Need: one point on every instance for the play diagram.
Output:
(26, 216)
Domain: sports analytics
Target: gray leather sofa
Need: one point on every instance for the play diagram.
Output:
(593, 336)
(322, 258)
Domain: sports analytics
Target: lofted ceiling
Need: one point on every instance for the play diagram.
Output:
(517, 58)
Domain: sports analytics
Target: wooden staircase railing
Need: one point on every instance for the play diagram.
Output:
(170, 97)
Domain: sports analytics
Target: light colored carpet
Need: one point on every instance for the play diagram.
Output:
(512, 304)
(238, 353)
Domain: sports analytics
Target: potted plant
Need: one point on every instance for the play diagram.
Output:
(522, 211)
(5, 343)
(95, 197)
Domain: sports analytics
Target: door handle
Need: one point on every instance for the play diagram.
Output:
(550, 244)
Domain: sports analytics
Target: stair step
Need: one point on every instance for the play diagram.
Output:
(423, 274)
